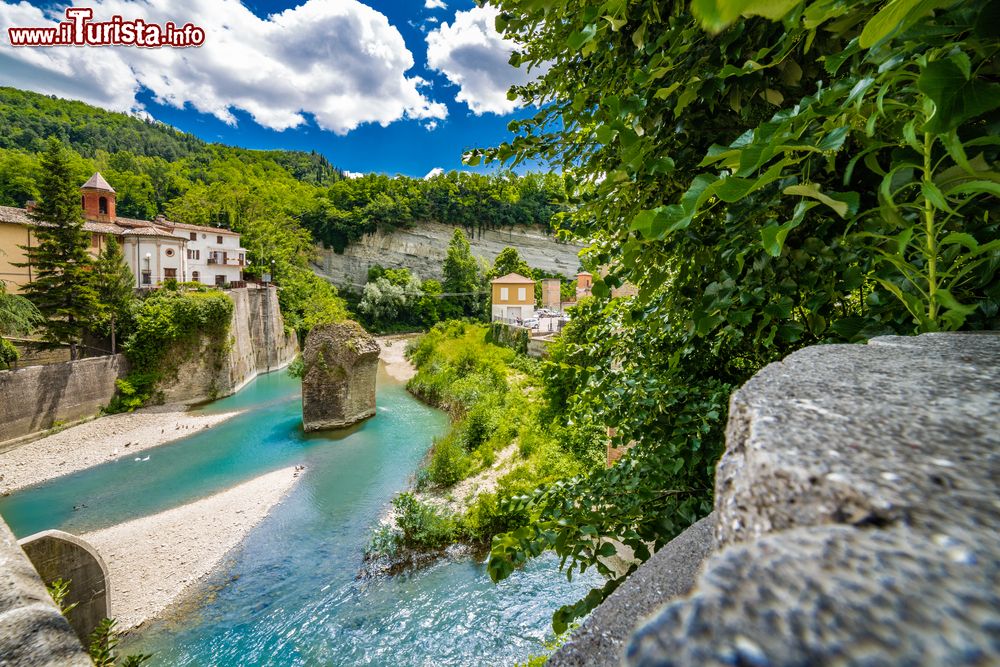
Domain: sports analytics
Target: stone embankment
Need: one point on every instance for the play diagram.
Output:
(257, 343)
(423, 249)
(856, 521)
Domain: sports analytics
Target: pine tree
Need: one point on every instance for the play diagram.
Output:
(115, 286)
(62, 287)
(461, 273)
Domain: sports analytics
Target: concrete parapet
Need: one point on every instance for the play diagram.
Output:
(856, 520)
(33, 633)
(59, 555)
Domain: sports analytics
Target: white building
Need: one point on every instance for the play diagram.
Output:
(162, 250)
(214, 256)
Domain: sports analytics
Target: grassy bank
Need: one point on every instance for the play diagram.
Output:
(503, 441)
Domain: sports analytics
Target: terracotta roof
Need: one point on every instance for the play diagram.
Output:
(19, 216)
(148, 230)
(97, 182)
(515, 278)
(202, 228)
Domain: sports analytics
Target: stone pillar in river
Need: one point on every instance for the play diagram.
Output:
(338, 384)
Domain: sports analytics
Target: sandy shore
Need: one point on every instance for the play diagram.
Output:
(393, 355)
(96, 442)
(152, 561)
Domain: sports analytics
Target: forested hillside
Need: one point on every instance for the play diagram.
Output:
(157, 169)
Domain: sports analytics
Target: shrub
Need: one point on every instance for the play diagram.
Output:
(449, 462)
(422, 525)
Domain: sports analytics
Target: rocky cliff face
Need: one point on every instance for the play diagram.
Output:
(423, 250)
(338, 388)
(257, 343)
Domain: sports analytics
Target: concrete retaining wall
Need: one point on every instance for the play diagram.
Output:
(35, 398)
(257, 343)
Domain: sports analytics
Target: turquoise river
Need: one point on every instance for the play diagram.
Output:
(289, 595)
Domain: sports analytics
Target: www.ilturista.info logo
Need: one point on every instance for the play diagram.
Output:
(79, 30)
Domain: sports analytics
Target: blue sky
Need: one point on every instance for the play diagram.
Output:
(375, 85)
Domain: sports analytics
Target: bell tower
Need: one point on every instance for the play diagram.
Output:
(98, 199)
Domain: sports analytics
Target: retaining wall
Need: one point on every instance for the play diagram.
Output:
(256, 343)
(33, 399)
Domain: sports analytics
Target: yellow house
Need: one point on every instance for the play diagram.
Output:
(513, 298)
(17, 232)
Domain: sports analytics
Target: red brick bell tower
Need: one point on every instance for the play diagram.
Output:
(98, 199)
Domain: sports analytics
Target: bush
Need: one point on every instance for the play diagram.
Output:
(422, 525)
(164, 323)
(449, 462)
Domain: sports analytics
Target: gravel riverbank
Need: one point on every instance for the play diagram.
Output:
(98, 441)
(154, 560)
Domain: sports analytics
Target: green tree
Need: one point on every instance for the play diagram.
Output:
(115, 287)
(18, 317)
(770, 175)
(62, 288)
(509, 261)
(461, 274)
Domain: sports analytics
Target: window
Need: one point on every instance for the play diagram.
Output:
(95, 240)
(243, 259)
(169, 252)
(147, 277)
(83, 201)
(220, 281)
(504, 294)
(195, 276)
(218, 239)
(522, 293)
(102, 205)
(194, 254)
(193, 236)
(170, 274)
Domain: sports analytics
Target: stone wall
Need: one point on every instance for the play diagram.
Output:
(257, 343)
(32, 631)
(33, 399)
(423, 249)
(855, 521)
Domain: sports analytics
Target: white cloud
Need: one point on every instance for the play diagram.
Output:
(431, 125)
(474, 57)
(435, 4)
(436, 171)
(341, 62)
(353, 174)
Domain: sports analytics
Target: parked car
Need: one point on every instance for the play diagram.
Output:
(531, 323)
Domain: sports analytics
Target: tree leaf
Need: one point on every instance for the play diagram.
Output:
(841, 203)
(956, 99)
(897, 16)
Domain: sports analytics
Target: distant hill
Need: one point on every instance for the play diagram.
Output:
(156, 169)
(27, 119)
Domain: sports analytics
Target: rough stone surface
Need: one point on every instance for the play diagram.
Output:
(858, 514)
(338, 388)
(669, 573)
(33, 399)
(59, 555)
(32, 631)
(257, 343)
(904, 430)
(836, 595)
(423, 248)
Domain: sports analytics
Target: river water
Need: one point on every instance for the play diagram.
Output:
(289, 594)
